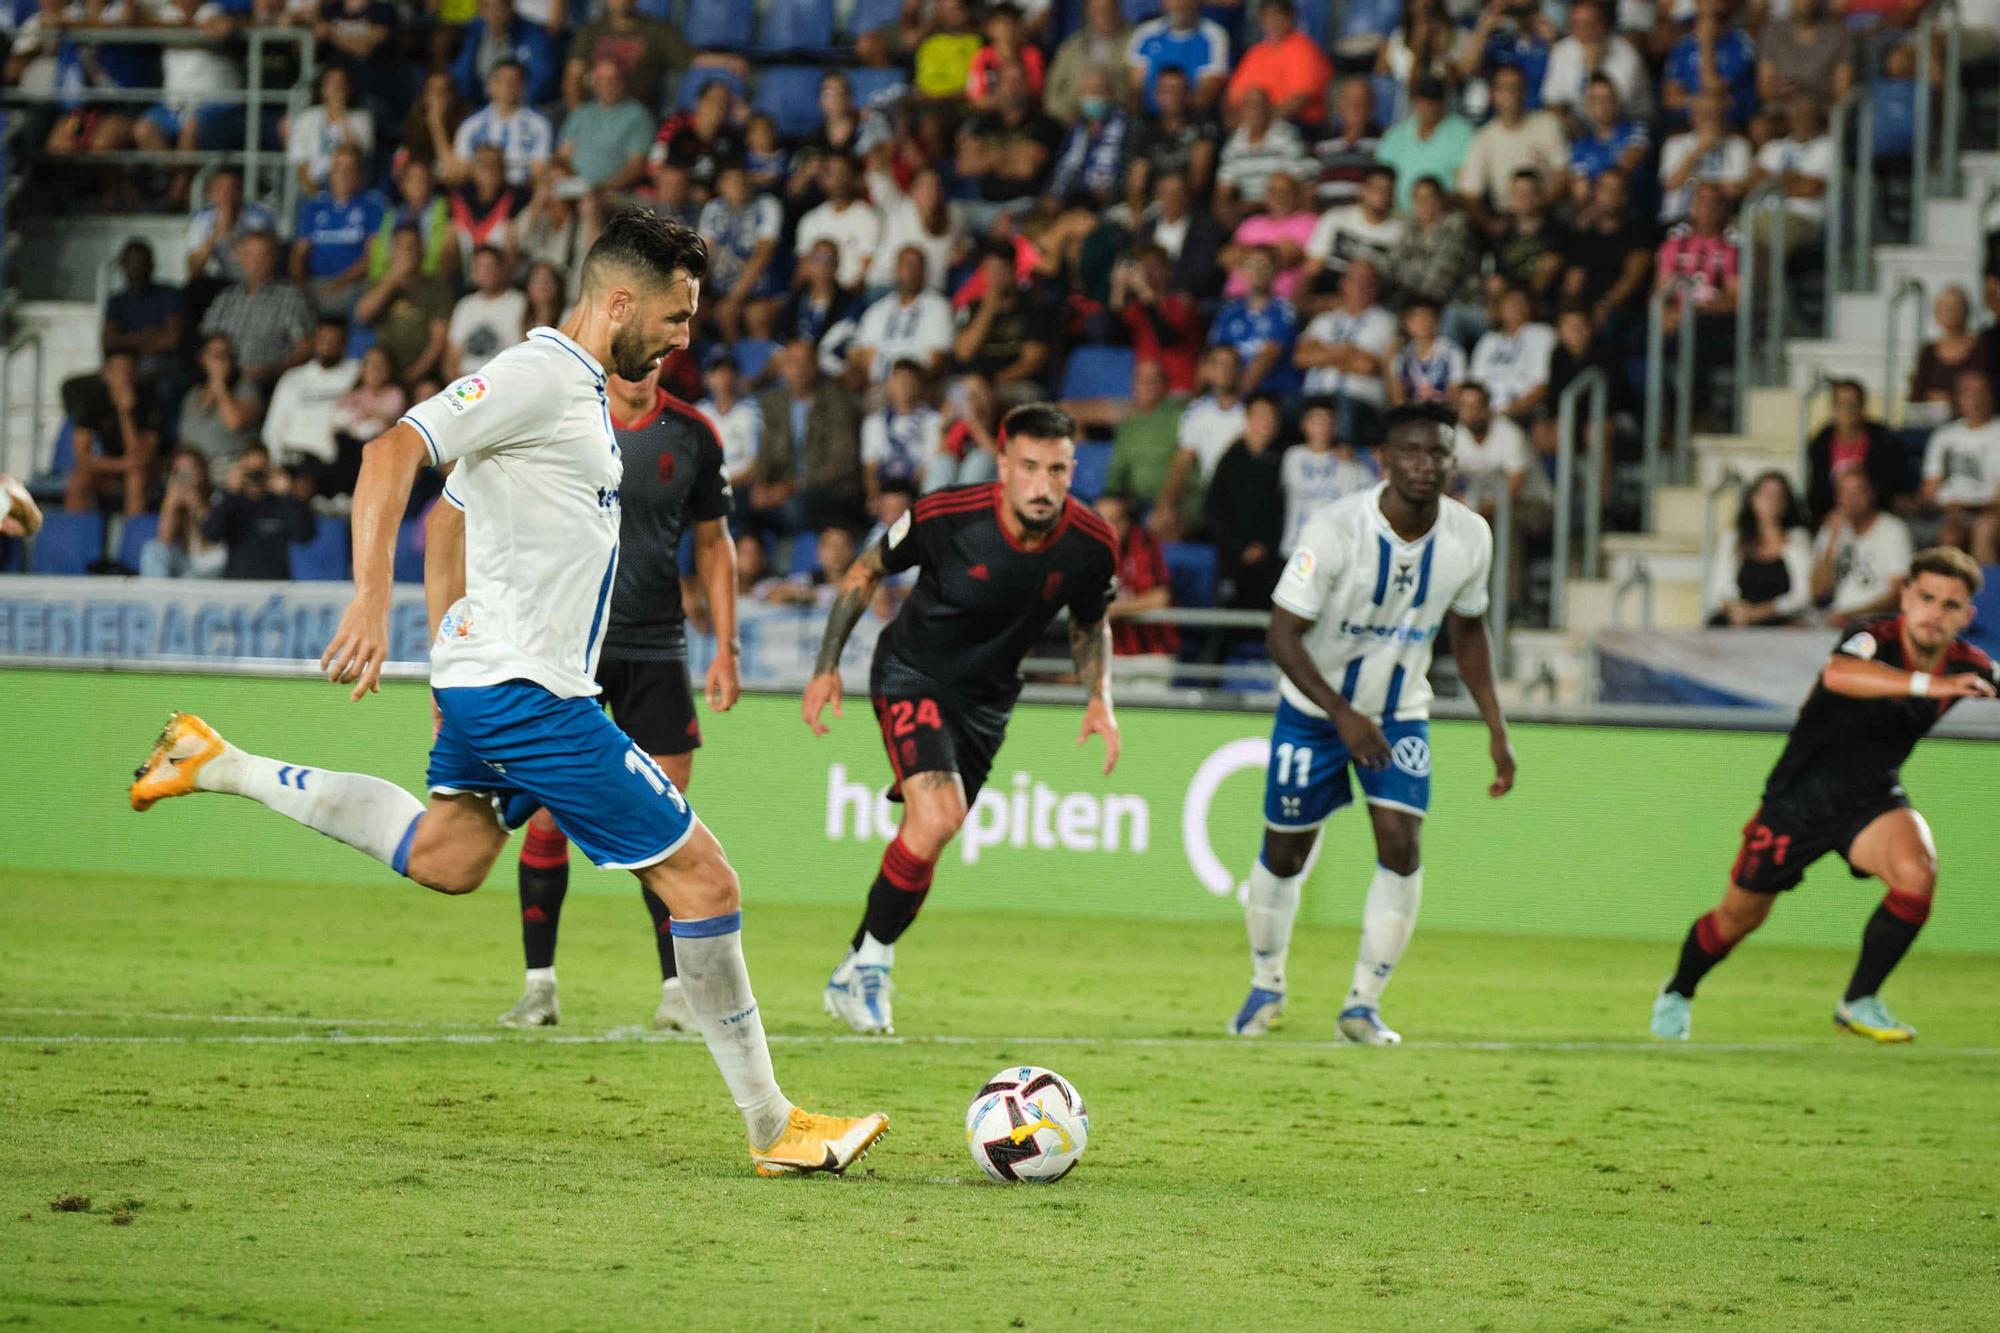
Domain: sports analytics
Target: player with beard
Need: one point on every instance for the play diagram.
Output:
(995, 563)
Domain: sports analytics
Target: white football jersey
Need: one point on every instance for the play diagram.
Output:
(538, 475)
(1378, 603)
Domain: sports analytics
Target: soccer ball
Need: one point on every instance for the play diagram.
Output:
(1027, 1124)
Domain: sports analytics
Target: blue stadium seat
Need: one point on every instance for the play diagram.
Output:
(1138, 11)
(324, 558)
(1388, 91)
(409, 567)
(796, 26)
(804, 556)
(1093, 466)
(867, 81)
(789, 94)
(752, 355)
(1098, 372)
(1895, 117)
(873, 16)
(1985, 629)
(695, 80)
(49, 484)
(1315, 19)
(67, 544)
(139, 529)
(1191, 573)
(718, 25)
(1370, 19)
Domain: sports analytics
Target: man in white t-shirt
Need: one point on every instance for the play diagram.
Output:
(901, 441)
(1515, 140)
(1799, 164)
(487, 320)
(298, 425)
(1861, 554)
(522, 134)
(846, 219)
(1345, 355)
(1365, 229)
(1491, 454)
(1962, 468)
(1707, 151)
(1512, 359)
(1209, 425)
(737, 419)
(912, 323)
(1591, 49)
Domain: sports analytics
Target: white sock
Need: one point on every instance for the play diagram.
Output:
(874, 953)
(1272, 906)
(1387, 922)
(368, 814)
(709, 952)
(541, 976)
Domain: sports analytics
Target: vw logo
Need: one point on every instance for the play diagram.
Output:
(1412, 754)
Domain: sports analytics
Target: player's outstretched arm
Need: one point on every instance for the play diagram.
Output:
(1286, 640)
(715, 564)
(857, 590)
(1090, 649)
(361, 641)
(1859, 678)
(1472, 649)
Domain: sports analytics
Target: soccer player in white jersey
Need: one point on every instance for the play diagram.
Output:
(1373, 580)
(513, 662)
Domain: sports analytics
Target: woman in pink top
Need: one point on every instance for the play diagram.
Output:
(1285, 225)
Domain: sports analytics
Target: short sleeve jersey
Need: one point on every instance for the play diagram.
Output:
(538, 477)
(1378, 603)
(673, 478)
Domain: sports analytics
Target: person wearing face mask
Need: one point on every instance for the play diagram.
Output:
(1091, 166)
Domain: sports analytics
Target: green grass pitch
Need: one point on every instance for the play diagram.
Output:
(286, 1107)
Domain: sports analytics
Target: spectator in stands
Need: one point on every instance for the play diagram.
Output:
(1004, 153)
(1323, 468)
(1962, 469)
(1702, 254)
(943, 58)
(363, 36)
(1261, 328)
(1005, 337)
(555, 229)
(257, 518)
(912, 323)
(742, 228)
(330, 123)
(267, 320)
(1714, 57)
(765, 156)
(1798, 164)
(1004, 47)
(818, 301)
(1286, 226)
(485, 209)
(1099, 45)
(218, 416)
(368, 409)
(500, 37)
(1606, 139)
(834, 549)
(646, 49)
(116, 419)
(1861, 555)
(753, 567)
(1580, 349)
(1209, 425)
(1515, 140)
(1190, 238)
(335, 227)
(737, 421)
(1345, 355)
(1091, 166)
(217, 230)
(417, 204)
(1430, 142)
(1347, 153)
(145, 318)
(1593, 51)
(1529, 250)
(432, 125)
(1176, 140)
(1145, 434)
(920, 216)
(410, 313)
(1245, 509)
(298, 425)
(838, 133)
(548, 297)
(1609, 256)
(1934, 382)
(1162, 322)
(604, 142)
(971, 434)
(846, 219)
(1287, 66)
(1809, 53)
(1419, 48)
(189, 118)
(1708, 152)
(1436, 259)
(1491, 456)
(1762, 566)
(1261, 147)
(901, 440)
(178, 549)
(1144, 651)
(1365, 229)
(1180, 39)
(88, 124)
(809, 466)
(487, 320)
(1851, 441)
(523, 135)
(1512, 359)
(1428, 367)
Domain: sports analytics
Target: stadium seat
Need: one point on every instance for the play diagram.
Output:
(695, 80)
(867, 82)
(873, 16)
(324, 558)
(138, 530)
(48, 485)
(1098, 372)
(752, 355)
(409, 566)
(1138, 11)
(789, 94)
(67, 544)
(1093, 467)
(718, 25)
(1895, 118)
(1367, 24)
(804, 557)
(1985, 629)
(1191, 573)
(1315, 21)
(1388, 92)
(792, 27)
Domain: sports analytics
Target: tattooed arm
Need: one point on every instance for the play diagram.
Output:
(1090, 649)
(857, 590)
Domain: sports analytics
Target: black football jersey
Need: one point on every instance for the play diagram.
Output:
(982, 600)
(1843, 750)
(673, 478)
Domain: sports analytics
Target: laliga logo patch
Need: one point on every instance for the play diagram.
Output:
(1302, 562)
(466, 392)
(1412, 754)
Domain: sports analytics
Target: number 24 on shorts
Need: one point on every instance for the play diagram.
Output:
(906, 716)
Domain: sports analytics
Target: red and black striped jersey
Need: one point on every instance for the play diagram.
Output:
(982, 599)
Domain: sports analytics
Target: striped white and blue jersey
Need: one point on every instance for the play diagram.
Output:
(538, 478)
(1378, 603)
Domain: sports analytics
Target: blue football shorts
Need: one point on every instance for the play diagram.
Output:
(1306, 779)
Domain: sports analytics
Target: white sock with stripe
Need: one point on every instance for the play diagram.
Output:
(368, 814)
(1269, 909)
(1387, 921)
(708, 952)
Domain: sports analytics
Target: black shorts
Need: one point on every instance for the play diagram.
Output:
(652, 701)
(1779, 843)
(926, 734)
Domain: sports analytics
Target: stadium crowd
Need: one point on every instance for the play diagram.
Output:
(1286, 227)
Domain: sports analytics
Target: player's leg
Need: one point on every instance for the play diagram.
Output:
(542, 880)
(672, 1013)
(1775, 852)
(1399, 794)
(1896, 848)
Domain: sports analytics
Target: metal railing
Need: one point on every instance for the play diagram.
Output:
(1767, 201)
(1640, 578)
(1947, 181)
(1591, 383)
(1730, 482)
(1911, 285)
(1500, 596)
(1853, 272)
(1654, 429)
(30, 340)
(1820, 383)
